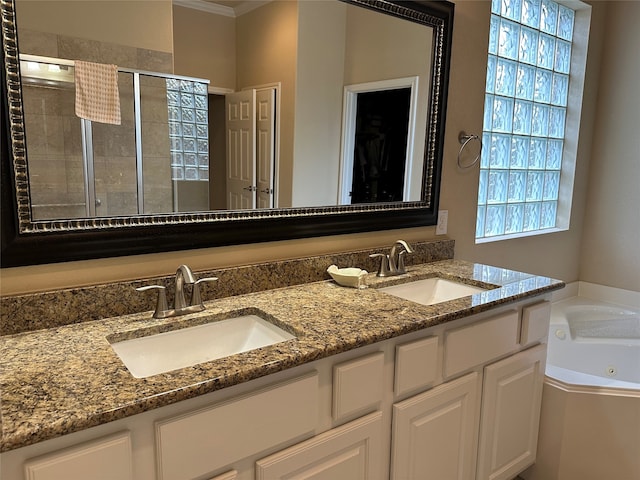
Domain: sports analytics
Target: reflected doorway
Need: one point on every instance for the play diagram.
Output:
(251, 120)
(377, 141)
(380, 146)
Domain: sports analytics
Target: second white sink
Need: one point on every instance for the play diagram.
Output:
(432, 290)
(163, 352)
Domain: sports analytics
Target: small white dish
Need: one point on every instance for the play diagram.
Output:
(348, 277)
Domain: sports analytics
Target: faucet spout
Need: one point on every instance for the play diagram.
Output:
(396, 256)
(183, 275)
(400, 244)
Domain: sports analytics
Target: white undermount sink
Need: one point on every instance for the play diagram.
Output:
(163, 352)
(432, 290)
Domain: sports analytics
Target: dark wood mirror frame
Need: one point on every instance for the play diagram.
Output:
(24, 242)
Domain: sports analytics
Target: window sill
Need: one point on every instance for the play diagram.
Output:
(512, 236)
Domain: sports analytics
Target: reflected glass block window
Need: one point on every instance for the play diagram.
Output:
(525, 110)
(188, 106)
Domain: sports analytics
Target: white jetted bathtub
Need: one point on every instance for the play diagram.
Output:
(590, 420)
(594, 343)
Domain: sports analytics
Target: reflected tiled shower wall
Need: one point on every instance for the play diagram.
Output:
(54, 143)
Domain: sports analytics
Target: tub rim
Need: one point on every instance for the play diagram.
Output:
(577, 382)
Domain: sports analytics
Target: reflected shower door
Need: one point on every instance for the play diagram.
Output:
(54, 142)
(114, 158)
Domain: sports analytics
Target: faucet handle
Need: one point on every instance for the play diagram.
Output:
(196, 299)
(161, 303)
(383, 269)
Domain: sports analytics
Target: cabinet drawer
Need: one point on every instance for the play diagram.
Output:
(535, 322)
(191, 445)
(350, 452)
(416, 365)
(480, 343)
(103, 459)
(357, 386)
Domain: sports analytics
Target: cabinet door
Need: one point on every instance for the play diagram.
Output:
(352, 451)
(434, 433)
(510, 414)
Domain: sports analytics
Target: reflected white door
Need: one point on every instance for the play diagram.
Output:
(265, 153)
(241, 149)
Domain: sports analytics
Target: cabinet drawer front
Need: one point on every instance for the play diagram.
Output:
(199, 442)
(480, 343)
(350, 452)
(416, 365)
(103, 459)
(357, 386)
(535, 322)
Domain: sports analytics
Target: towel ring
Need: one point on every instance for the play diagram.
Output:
(464, 140)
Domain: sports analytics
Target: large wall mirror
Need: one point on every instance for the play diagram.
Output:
(237, 122)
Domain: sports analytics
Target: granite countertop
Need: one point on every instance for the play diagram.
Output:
(65, 379)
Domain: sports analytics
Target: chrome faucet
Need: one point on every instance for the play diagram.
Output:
(393, 263)
(180, 307)
(183, 275)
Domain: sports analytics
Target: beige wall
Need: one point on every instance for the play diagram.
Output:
(268, 62)
(611, 237)
(318, 108)
(557, 254)
(205, 46)
(135, 23)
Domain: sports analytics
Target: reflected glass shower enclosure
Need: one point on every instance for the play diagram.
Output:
(156, 161)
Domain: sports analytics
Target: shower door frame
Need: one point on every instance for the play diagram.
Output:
(87, 130)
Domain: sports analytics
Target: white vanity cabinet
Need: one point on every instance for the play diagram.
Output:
(457, 401)
(482, 425)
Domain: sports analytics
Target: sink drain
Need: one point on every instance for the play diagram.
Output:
(612, 371)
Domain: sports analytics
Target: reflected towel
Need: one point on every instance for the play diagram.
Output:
(97, 96)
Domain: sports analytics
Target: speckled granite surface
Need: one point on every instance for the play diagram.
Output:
(68, 378)
(63, 307)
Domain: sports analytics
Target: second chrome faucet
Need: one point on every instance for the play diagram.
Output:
(393, 263)
(183, 276)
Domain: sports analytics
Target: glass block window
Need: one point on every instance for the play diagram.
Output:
(525, 110)
(188, 106)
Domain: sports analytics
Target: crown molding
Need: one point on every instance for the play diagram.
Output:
(217, 9)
